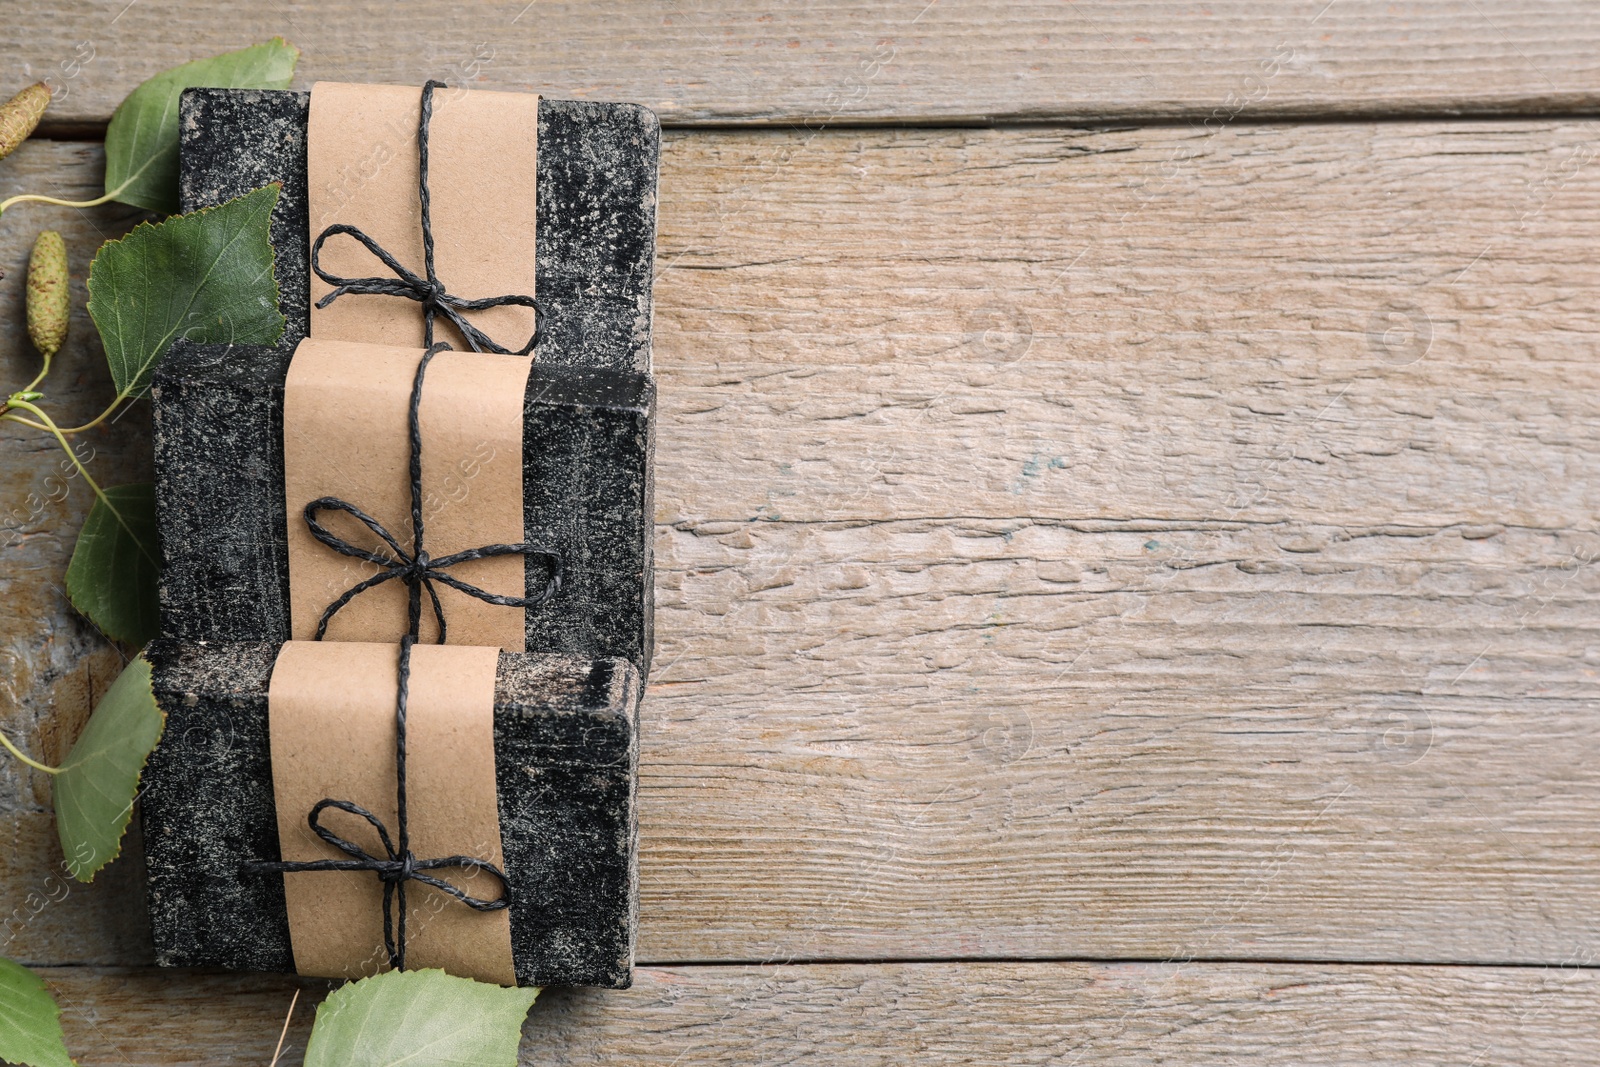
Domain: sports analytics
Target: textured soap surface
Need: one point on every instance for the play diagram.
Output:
(596, 211)
(566, 758)
(221, 514)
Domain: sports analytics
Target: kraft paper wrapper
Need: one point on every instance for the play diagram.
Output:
(331, 712)
(345, 435)
(361, 169)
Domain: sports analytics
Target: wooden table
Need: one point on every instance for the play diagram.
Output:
(1126, 521)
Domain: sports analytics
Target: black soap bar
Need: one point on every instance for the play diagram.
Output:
(587, 446)
(596, 211)
(566, 760)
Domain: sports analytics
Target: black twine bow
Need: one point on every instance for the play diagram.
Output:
(398, 865)
(416, 568)
(428, 291)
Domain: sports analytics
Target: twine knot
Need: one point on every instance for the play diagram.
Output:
(416, 568)
(425, 288)
(398, 865)
(405, 869)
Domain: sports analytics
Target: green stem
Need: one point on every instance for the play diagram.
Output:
(35, 764)
(98, 419)
(91, 424)
(44, 370)
(111, 409)
(34, 198)
(20, 421)
(50, 426)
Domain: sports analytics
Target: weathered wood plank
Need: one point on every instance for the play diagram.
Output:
(1013, 1013)
(720, 61)
(1264, 631)
(1352, 324)
(1059, 556)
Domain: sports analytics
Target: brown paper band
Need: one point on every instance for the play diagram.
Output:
(361, 169)
(344, 435)
(331, 716)
(332, 705)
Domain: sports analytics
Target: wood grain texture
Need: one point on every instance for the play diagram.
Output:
(1065, 555)
(1138, 543)
(721, 61)
(1012, 1013)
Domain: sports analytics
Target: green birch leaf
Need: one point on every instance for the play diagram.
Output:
(142, 140)
(97, 784)
(421, 1019)
(112, 576)
(30, 1022)
(206, 276)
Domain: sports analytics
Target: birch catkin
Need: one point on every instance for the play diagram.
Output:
(48, 296)
(20, 114)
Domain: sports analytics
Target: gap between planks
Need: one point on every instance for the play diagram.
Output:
(719, 61)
